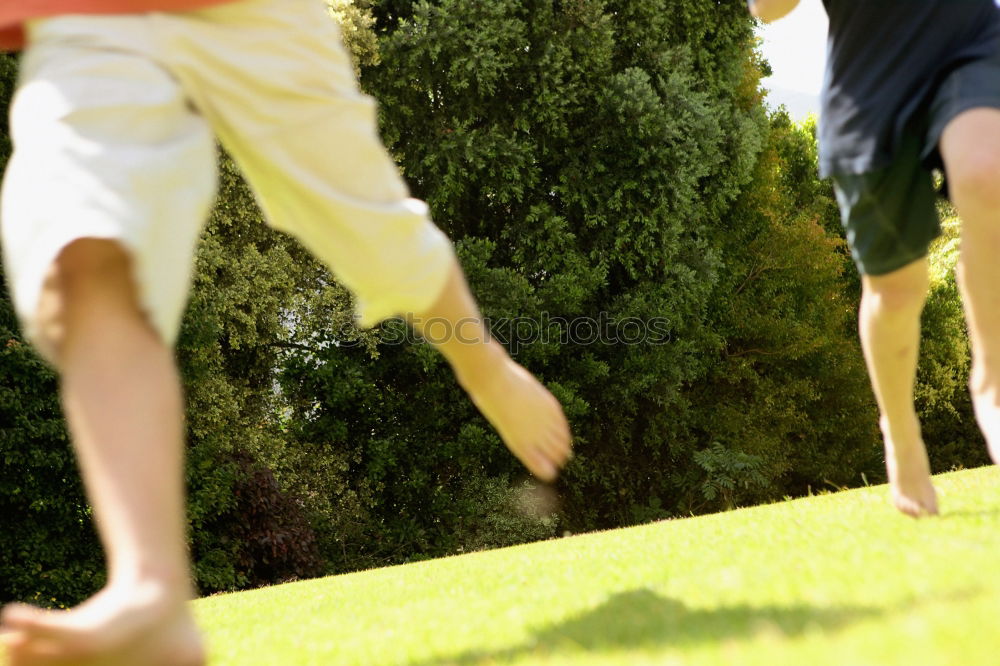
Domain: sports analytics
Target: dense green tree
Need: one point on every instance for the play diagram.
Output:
(577, 169)
(789, 392)
(606, 160)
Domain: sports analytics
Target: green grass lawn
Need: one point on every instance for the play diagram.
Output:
(833, 579)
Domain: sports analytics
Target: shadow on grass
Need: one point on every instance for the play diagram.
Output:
(643, 619)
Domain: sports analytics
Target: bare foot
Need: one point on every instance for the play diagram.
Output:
(909, 473)
(529, 419)
(139, 625)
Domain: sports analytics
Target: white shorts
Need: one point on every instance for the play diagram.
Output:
(113, 125)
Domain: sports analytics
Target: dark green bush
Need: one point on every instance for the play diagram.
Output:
(49, 552)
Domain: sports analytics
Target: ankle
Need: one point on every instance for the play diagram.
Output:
(481, 369)
(901, 434)
(166, 584)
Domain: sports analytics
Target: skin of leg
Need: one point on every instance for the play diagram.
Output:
(970, 146)
(122, 400)
(527, 416)
(889, 325)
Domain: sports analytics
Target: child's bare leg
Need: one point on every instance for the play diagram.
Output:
(528, 417)
(123, 404)
(890, 336)
(971, 148)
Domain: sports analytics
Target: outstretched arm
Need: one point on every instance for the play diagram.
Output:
(771, 10)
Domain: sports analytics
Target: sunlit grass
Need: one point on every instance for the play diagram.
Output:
(835, 579)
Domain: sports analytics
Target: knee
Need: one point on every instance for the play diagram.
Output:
(975, 180)
(91, 263)
(970, 146)
(902, 291)
(86, 274)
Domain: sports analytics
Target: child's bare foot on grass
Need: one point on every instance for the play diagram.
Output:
(142, 625)
(529, 419)
(909, 473)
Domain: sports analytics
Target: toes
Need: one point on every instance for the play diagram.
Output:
(24, 648)
(39, 636)
(20, 615)
(541, 466)
(12, 639)
(38, 653)
(556, 450)
(557, 435)
(916, 508)
(35, 622)
(26, 624)
(928, 502)
(908, 507)
(546, 456)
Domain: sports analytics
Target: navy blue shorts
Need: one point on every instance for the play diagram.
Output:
(890, 214)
